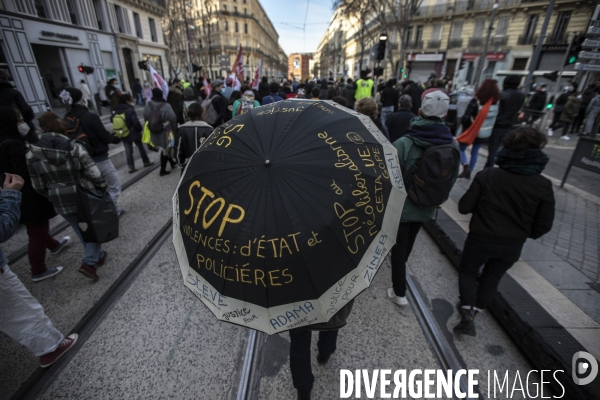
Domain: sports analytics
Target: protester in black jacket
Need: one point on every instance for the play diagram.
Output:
(389, 100)
(415, 92)
(511, 101)
(509, 204)
(99, 139)
(220, 102)
(348, 93)
(398, 123)
(11, 97)
(132, 121)
(263, 87)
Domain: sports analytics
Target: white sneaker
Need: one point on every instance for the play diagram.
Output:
(550, 132)
(401, 301)
(565, 137)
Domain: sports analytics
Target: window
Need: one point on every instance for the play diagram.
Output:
(235, 9)
(562, 21)
(245, 11)
(479, 28)
(120, 19)
(530, 26)
(236, 27)
(436, 35)
(153, 29)
(419, 35)
(245, 28)
(98, 12)
(296, 63)
(39, 8)
(226, 26)
(138, 25)
(72, 12)
(502, 26)
(408, 36)
(224, 7)
(520, 64)
(457, 28)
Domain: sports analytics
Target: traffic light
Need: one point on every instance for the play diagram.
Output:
(576, 47)
(196, 68)
(550, 102)
(143, 65)
(551, 76)
(84, 69)
(378, 71)
(381, 48)
(462, 63)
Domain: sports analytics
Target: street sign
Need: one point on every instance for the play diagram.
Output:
(585, 156)
(587, 67)
(589, 55)
(593, 30)
(591, 43)
(596, 15)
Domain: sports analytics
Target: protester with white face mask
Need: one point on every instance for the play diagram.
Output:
(36, 210)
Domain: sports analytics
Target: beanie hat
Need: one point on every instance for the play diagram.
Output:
(156, 92)
(435, 104)
(71, 95)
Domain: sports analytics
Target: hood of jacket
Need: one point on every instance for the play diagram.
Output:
(4, 84)
(430, 135)
(200, 124)
(54, 148)
(122, 108)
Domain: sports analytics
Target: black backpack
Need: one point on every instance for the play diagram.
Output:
(433, 176)
(75, 131)
(155, 121)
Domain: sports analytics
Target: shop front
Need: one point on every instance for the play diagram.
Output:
(495, 61)
(421, 66)
(38, 54)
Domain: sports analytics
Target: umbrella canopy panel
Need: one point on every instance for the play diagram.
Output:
(281, 204)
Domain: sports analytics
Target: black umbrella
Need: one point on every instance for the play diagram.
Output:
(286, 212)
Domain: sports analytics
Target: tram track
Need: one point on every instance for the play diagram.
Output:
(17, 255)
(42, 378)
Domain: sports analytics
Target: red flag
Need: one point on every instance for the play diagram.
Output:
(238, 65)
(257, 76)
(207, 87)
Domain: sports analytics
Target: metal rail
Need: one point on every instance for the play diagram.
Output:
(19, 254)
(41, 379)
(438, 342)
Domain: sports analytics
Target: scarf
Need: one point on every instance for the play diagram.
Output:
(430, 131)
(469, 136)
(524, 162)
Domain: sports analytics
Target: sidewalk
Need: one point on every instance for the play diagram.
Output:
(549, 301)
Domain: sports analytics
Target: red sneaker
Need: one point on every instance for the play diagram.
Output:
(65, 345)
(101, 260)
(89, 271)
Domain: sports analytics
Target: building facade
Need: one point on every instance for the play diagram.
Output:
(299, 65)
(442, 33)
(222, 25)
(44, 40)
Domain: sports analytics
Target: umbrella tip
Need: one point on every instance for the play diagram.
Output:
(267, 162)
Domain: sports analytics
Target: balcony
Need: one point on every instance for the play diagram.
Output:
(476, 42)
(455, 43)
(557, 39)
(500, 40)
(526, 40)
(434, 44)
(414, 45)
(464, 6)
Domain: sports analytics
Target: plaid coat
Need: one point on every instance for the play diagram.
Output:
(56, 164)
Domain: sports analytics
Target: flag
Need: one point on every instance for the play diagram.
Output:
(207, 87)
(159, 82)
(257, 76)
(238, 65)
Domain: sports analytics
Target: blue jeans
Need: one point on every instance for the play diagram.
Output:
(474, 154)
(385, 112)
(129, 153)
(139, 100)
(93, 251)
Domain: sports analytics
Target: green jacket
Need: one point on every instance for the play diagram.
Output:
(410, 150)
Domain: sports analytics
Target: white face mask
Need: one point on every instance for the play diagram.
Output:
(23, 129)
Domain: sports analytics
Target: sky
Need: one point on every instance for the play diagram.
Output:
(288, 17)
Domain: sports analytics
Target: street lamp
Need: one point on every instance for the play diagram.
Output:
(383, 36)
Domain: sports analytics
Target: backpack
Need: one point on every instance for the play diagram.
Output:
(120, 127)
(433, 175)
(75, 131)
(209, 114)
(155, 121)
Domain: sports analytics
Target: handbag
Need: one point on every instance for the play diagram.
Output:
(146, 138)
(97, 216)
